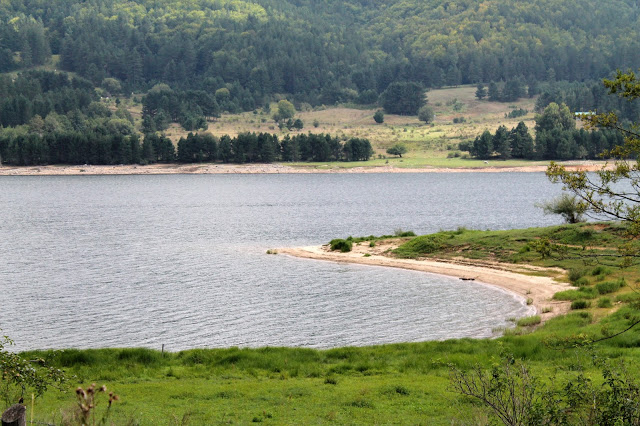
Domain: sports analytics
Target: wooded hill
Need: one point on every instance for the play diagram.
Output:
(320, 52)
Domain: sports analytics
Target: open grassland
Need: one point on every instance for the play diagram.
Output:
(405, 383)
(390, 384)
(429, 144)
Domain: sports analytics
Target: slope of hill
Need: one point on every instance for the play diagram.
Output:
(320, 52)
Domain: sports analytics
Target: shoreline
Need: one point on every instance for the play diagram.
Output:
(511, 278)
(272, 168)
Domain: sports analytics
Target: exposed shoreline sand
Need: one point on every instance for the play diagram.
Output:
(274, 168)
(510, 277)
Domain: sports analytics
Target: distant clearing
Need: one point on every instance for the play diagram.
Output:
(429, 144)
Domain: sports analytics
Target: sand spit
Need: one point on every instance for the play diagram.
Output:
(517, 279)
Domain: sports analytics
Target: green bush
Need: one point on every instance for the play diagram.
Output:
(580, 304)
(604, 302)
(609, 286)
(583, 293)
(567, 206)
(600, 270)
(400, 233)
(343, 245)
(582, 282)
(575, 274)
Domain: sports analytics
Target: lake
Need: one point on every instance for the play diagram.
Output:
(179, 260)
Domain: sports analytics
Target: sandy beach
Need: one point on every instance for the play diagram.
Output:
(273, 168)
(517, 279)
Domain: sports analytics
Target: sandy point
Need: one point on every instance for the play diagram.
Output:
(524, 281)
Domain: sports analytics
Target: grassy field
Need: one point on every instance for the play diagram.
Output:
(389, 384)
(429, 144)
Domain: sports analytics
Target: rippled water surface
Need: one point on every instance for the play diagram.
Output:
(96, 261)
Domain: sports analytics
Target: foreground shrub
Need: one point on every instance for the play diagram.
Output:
(600, 270)
(511, 393)
(580, 304)
(575, 274)
(605, 302)
(581, 282)
(20, 376)
(610, 286)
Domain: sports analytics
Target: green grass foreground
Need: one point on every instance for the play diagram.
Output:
(388, 384)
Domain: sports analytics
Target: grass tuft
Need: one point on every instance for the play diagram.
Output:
(529, 321)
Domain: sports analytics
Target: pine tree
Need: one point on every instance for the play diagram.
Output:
(481, 91)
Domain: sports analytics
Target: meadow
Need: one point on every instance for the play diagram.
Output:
(430, 145)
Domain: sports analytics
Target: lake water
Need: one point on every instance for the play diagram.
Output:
(141, 261)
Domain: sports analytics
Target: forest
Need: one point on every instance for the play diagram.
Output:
(319, 52)
(190, 61)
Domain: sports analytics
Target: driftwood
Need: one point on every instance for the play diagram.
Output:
(16, 415)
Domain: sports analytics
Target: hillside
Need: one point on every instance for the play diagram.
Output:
(83, 82)
(319, 52)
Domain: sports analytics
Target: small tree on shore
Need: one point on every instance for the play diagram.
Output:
(379, 116)
(426, 114)
(567, 206)
(19, 375)
(285, 112)
(398, 149)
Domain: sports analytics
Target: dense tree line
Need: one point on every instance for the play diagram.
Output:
(318, 52)
(266, 148)
(40, 93)
(556, 139)
(69, 148)
(586, 96)
(94, 147)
